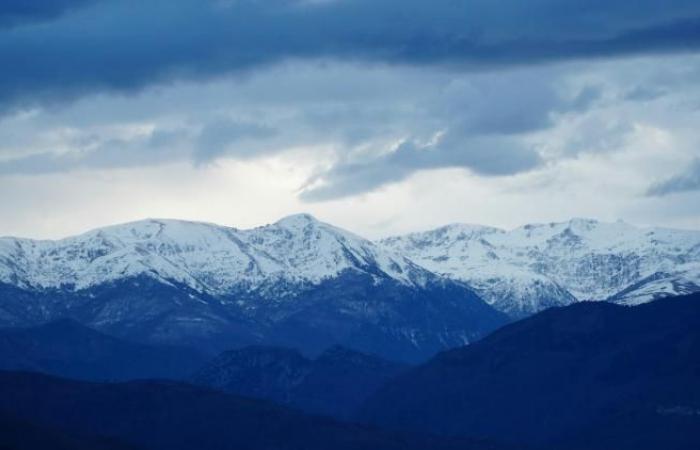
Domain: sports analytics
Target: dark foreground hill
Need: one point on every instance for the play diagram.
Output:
(18, 434)
(160, 415)
(335, 384)
(590, 375)
(66, 348)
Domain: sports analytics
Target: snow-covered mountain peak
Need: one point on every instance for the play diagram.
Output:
(206, 257)
(307, 226)
(583, 222)
(298, 221)
(462, 231)
(446, 236)
(160, 230)
(525, 269)
(303, 241)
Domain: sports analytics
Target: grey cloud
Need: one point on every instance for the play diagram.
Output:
(490, 121)
(483, 156)
(484, 118)
(216, 139)
(501, 104)
(586, 98)
(598, 135)
(156, 148)
(355, 124)
(511, 102)
(688, 180)
(161, 146)
(645, 93)
(37, 163)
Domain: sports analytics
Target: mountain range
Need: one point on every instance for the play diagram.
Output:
(298, 283)
(305, 284)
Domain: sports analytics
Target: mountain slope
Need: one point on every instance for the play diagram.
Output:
(590, 375)
(534, 267)
(335, 384)
(298, 282)
(157, 415)
(66, 348)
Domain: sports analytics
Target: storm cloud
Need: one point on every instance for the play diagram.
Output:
(17, 12)
(127, 45)
(482, 156)
(685, 181)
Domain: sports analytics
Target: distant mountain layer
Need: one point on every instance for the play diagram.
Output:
(534, 267)
(298, 283)
(588, 376)
(334, 384)
(66, 348)
(159, 415)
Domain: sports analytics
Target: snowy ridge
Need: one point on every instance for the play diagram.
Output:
(206, 257)
(519, 272)
(535, 266)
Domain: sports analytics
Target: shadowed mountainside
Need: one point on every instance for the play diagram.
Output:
(158, 415)
(590, 375)
(66, 348)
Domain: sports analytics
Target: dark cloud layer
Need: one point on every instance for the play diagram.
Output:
(483, 123)
(473, 122)
(161, 146)
(688, 180)
(218, 137)
(483, 156)
(16, 12)
(156, 148)
(126, 45)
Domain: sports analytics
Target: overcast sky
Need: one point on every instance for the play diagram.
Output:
(380, 116)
